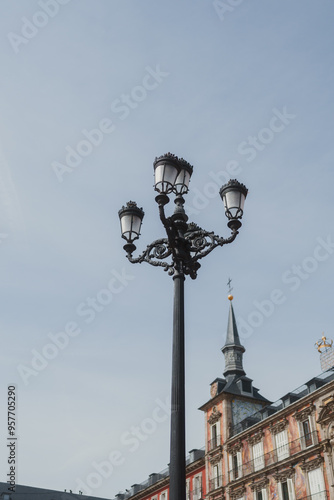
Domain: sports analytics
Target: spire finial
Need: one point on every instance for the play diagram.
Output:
(230, 296)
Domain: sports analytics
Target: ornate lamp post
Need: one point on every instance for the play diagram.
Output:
(179, 254)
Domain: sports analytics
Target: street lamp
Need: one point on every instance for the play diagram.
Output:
(179, 254)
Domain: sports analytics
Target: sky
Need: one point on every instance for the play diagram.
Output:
(91, 93)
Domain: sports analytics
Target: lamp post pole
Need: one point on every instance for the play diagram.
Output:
(179, 254)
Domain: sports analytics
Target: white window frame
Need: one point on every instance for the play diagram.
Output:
(197, 490)
(264, 494)
(216, 476)
(238, 454)
(291, 489)
(164, 495)
(314, 439)
(258, 458)
(282, 445)
(216, 425)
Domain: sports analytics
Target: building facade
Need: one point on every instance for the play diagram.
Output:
(256, 449)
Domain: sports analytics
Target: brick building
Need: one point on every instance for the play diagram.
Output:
(256, 449)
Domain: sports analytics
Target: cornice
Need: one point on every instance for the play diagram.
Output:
(302, 414)
(235, 447)
(237, 492)
(256, 437)
(312, 464)
(277, 427)
(214, 459)
(282, 475)
(260, 483)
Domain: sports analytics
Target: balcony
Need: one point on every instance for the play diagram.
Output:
(216, 482)
(214, 443)
(287, 450)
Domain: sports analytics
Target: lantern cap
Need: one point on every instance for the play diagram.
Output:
(131, 207)
(233, 184)
(175, 159)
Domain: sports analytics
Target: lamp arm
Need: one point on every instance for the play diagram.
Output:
(158, 249)
(167, 223)
(203, 242)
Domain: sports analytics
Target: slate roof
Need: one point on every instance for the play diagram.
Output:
(32, 493)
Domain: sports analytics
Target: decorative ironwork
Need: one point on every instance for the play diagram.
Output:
(185, 243)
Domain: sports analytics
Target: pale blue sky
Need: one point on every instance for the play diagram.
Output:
(211, 84)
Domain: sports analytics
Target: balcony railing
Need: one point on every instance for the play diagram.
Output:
(322, 495)
(213, 443)
(270, 458)
(215, 482)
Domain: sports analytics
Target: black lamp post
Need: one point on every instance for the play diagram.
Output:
(185, 244)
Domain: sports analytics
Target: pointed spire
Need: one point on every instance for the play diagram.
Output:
(233, 350)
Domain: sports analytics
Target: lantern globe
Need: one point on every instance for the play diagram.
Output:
(166, 171)
(233, 195)
(182, 181)
(131, 218)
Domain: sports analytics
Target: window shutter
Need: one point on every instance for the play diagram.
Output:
(258, 456)
(230, 466)
(282, 446)
(317, 484)
(264, 494)
(239, 459)
(291, 489)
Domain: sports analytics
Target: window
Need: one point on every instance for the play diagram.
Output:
(215, 477)
(215, 436)
(307, 433)
(260, 494)
(197, 487)
(286, 490)
(317, 484)
(282, 445)
(235, 465)
(163, 495)
(258, 458)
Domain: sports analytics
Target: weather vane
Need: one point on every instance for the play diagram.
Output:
(229, 286)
